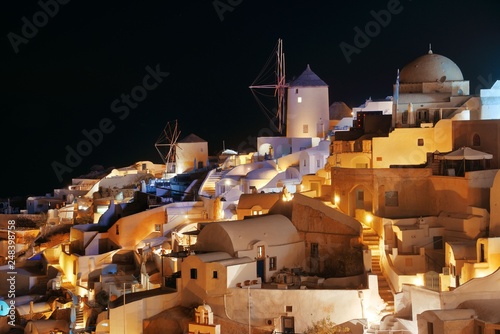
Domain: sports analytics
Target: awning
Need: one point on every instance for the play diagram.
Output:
(467, 153)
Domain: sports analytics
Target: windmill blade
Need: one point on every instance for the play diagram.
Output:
(168, 140)
(279, 86)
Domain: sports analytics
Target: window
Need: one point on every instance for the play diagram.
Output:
(272, 263)
(296, 90)
(430, 328)
(117, 229)
(261, 252)
(215, 274)
(305, 128)
(314, 250)
(391, 198)
(482, 257)
(288, 309)
(304, 163)
(420, 142)
(194, 273)
(157, 227)
(317, 163)
(299, 99)
(476, 140)
(361, 195)
(438, 242)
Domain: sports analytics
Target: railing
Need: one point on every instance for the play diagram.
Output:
(433, 265)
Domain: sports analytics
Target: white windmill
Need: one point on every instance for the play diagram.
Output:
(166, 145)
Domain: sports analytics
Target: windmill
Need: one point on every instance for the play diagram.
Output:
(166, 145)
(277, 114)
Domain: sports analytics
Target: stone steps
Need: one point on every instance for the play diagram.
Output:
(371, 240)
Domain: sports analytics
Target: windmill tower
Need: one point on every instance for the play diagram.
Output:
(166, 145)
(307, 106)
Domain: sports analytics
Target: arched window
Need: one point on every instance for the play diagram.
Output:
(476, 140)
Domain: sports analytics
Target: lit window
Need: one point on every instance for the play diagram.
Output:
(299, 99)
(260, 252)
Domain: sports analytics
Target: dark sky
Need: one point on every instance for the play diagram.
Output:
(69, 74)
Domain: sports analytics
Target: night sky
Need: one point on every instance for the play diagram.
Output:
(80, 67)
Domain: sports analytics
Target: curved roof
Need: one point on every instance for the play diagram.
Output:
(237, 235)
(307, 79)
(262, 174)
(431, 67)
(192, 138)
(463, 249)
(242, 170)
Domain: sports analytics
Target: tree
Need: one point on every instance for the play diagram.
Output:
(326, 326)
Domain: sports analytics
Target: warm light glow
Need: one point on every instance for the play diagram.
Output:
(419, 280)
(336, 199)
(368, 218)
(287, 196)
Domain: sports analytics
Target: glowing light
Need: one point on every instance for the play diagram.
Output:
(336, 199)
(287, 196)
(419, 280)
(368, 218)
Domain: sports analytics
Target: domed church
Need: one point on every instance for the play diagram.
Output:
(430, 88)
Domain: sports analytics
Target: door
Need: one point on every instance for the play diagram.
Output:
(288, 325)
(260, 268)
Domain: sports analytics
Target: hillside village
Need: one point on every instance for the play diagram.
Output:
(387, 222)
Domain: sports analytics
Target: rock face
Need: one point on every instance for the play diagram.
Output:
(171, 321)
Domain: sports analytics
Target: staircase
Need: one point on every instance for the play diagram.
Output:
(207, 189)
(371, 239)
(79, 318)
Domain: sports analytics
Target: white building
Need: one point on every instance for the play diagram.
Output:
(308, 112)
